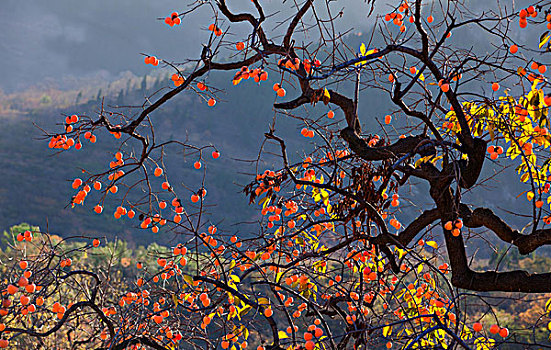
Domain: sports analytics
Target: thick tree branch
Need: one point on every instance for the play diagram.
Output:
(487, 218)
(362, 149)
(511, 281)
(410, 232)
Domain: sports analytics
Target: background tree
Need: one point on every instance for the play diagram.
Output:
(336, 261)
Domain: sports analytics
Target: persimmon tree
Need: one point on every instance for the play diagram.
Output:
(335, 262)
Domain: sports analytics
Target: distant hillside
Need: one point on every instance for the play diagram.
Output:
(35, 183)
(35, 187)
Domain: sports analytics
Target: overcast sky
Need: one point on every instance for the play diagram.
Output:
(54, 38)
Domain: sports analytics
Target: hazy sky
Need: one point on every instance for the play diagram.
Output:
(55, 38)
(41, 39)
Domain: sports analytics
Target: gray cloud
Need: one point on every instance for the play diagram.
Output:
(60, 38)
(65, 38)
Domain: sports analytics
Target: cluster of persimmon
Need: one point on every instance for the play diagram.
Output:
(268, 180)
(546, 187)
(494, 329)
(173, 19)
(495, 151)
(313, 332)
(421, 300)
(71, 119)
(296, 64)
(25, 236)
(538, 67)
(118, 162)
(397, 18)
(548, 19)
(291, 208)
(156, 221)
(202, 87)
(279, 90)
(157, 313)
(20, 295)
(217, 31)
(309, 133)
(258, 75)
(90, 137)
(210, 241)
(395, 223)
(177, 79)
(454, 227)
(116, 134)
(532, 77)
(63, 142)
(539, 131)
(151, 60)
(521, 113)
(230, 338)
(395, 202)
(81, 194)
(530, 11)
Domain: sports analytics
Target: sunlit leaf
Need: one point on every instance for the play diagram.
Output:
(544, 38)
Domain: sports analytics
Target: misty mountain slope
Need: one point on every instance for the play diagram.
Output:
(36, 188)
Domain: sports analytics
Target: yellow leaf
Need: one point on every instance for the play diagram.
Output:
(544, 39)
(235, 278)
(363, 49)
(387, 330)
(282, 335)
(433, 244)
(326, 94)
(264, 202)
(548, 306)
